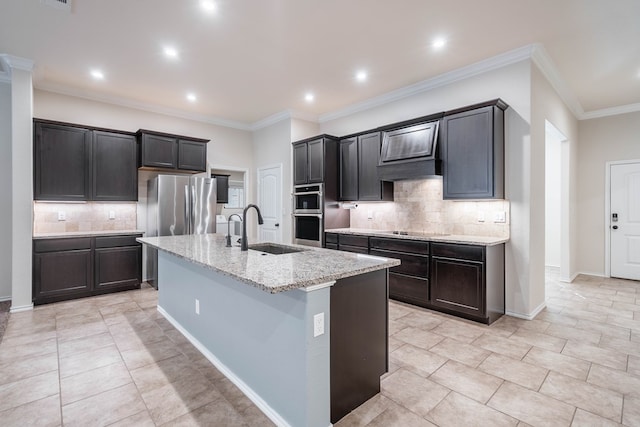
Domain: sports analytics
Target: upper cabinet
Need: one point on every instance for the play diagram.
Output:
(314, 159)
(167, 151)
(75, 163)
(473, 152)
(222, 188)
(359, 180)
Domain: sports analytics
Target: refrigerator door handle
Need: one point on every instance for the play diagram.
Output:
(187, 204)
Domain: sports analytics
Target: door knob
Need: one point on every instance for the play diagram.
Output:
(615, 227)
(277, 224)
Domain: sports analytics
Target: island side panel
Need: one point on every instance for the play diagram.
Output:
(264, 340)
(359, 340)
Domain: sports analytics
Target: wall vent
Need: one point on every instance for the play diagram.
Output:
(58, 4)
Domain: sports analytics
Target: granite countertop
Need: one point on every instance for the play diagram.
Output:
(271, 273)
(444, 238)
(64, 234)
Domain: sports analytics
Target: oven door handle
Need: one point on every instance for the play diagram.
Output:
(306, 193)
(312, 215)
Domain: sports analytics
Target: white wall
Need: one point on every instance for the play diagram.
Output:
(5, 190)
(552, 201)
(601, 140)
(512, 83)
(272, 146)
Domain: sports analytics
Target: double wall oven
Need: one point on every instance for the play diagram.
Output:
(308, 214)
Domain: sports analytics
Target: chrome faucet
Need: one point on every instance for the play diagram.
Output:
(229, 228)
(245, 243)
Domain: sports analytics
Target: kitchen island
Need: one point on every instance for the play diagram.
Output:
(302, 334)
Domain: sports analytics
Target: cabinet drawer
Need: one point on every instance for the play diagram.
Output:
(408, 288)
(356, 249)
(331, 246)
(414, 265)
(350, 240)
(400, 245)
(115, 241)
(468, 252)
(54, 245)
(331, 238)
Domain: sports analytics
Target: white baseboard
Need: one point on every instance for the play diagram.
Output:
(529, 316)
(248, 391)
(590, 273)
(21, 308)
(3, 299)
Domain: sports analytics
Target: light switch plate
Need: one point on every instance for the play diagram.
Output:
(62, 216)
(112, 214)
(480, 216)
(369, 214)
(500, 216)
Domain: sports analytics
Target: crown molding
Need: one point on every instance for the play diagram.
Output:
(613, 111)
(63, 90)
(283, 115)
(480, 67)
(16, 62)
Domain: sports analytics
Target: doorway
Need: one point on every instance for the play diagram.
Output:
(622, 219)
(270, 202)
(557, 202)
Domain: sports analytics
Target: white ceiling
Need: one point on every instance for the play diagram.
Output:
(252, 59)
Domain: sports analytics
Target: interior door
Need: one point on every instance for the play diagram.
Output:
(625, 221)
(270, 203)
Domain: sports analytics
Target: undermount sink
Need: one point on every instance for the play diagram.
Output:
(275, 248)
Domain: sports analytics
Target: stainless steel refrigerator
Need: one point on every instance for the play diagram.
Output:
(177, 205)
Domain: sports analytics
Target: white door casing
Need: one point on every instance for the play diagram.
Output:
(270, 203)
(625, 231)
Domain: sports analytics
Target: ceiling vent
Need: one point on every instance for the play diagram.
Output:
(58, 4)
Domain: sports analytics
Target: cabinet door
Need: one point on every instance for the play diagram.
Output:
(159, 151)
(61, 275)
(115, 172)
(62, 162)
(300, 163)
(118, 268)
(222, 188)
(458, 285)
(369, 185)
(470, 165)
(348, 169)
(316, 161)
(192, 155)
(413, 290)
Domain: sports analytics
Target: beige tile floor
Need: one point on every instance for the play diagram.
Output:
(112, 360)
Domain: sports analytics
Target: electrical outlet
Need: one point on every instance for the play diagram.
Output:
(62, 216)
(197, 306)
(480, 216)
(112, 214)
(500, 216)
(318, 324)
(369, 214)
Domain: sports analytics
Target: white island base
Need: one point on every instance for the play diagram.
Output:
(262, 342)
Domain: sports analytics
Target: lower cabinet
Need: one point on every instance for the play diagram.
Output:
(68, 268)
(468, 280)
(347, 242)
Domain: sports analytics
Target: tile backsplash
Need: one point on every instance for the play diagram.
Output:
(418, 206)
(83, 217)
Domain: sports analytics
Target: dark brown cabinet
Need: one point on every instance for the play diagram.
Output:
(75, 163)
(115, 175)
(68, 268)
(348, 189)
(62, 162)
(408, 282)
(359, 181)
(167, 151)
(468, 280)
(222, 188)
(473, 152)
(347, 242)
(314, 159)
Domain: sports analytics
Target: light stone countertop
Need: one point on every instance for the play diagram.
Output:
(63, 234)
(443, 238)
(270, 273)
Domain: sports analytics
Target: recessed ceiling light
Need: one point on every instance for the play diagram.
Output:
(170, 52)
(97, 74)
(439, 43)
(192, 97)
(361, 76)
(309, 97)
(208, 6)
